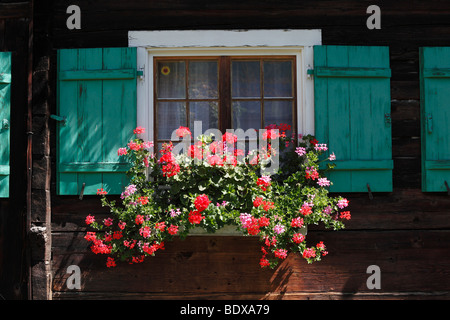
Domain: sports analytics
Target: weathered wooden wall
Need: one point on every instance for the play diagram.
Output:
(406, 232)
(15, 37)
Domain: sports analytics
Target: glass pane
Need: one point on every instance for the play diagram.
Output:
(171, 115)
(278, 79)
(203, 80)
(278, 112)
(171, 80)
(245, 79)
(205, 111)
(246, 115)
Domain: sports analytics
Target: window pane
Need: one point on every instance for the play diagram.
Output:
(203, 80)
(277, 112)
(245, 79)
(205, 111)
(171, 115)
(171, 80)
(246, 115)
(278, 79)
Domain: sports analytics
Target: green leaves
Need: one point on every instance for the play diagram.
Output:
(158, 206)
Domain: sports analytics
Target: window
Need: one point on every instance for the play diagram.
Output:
(223, 93)
(187, 90)
(226, 79)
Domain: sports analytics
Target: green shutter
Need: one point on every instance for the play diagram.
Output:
(5, 119)
(97, 115)
(435, 118)
(352, 115)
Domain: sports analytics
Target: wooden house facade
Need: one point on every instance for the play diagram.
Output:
(398, 190)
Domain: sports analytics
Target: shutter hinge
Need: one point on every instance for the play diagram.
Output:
(309, 72)
(82, 191)
(370, 192)
(447, 187)
(429, 123)
(387, 119)
(59, 118)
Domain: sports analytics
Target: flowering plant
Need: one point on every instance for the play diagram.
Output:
(214, 184)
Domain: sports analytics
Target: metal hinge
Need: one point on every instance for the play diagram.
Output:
(429, 123)
(59, 118)
(387, 119)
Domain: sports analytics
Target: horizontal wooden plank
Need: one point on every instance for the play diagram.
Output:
(217, 296)
(97, 74)
(346, 8)
(94, 167)
(437, 164)
(409, 261)
(407, 208)
(15, 10)
(436, 73)
(352, 72)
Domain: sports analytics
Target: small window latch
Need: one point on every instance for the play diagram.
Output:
(140, 73)
(309, 72)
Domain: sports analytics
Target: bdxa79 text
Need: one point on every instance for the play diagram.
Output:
(246, 309)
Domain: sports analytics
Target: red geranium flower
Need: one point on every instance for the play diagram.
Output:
(101, 192)
(143, 200)
(183, 131)
(345, 215)
(201, 202)
(229, 137)
(195, 217)
(305, 210)
(139, 130)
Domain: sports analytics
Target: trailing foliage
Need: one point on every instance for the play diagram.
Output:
(212, 185)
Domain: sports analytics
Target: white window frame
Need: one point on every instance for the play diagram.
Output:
(298, 43)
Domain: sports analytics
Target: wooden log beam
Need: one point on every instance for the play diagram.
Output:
(411, 263)
(15, 10)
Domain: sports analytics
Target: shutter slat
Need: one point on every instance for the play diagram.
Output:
(352, 99)
(97, 95)
(5, 120)
(90, 136)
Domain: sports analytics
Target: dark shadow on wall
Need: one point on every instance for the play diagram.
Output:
(279, 281)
